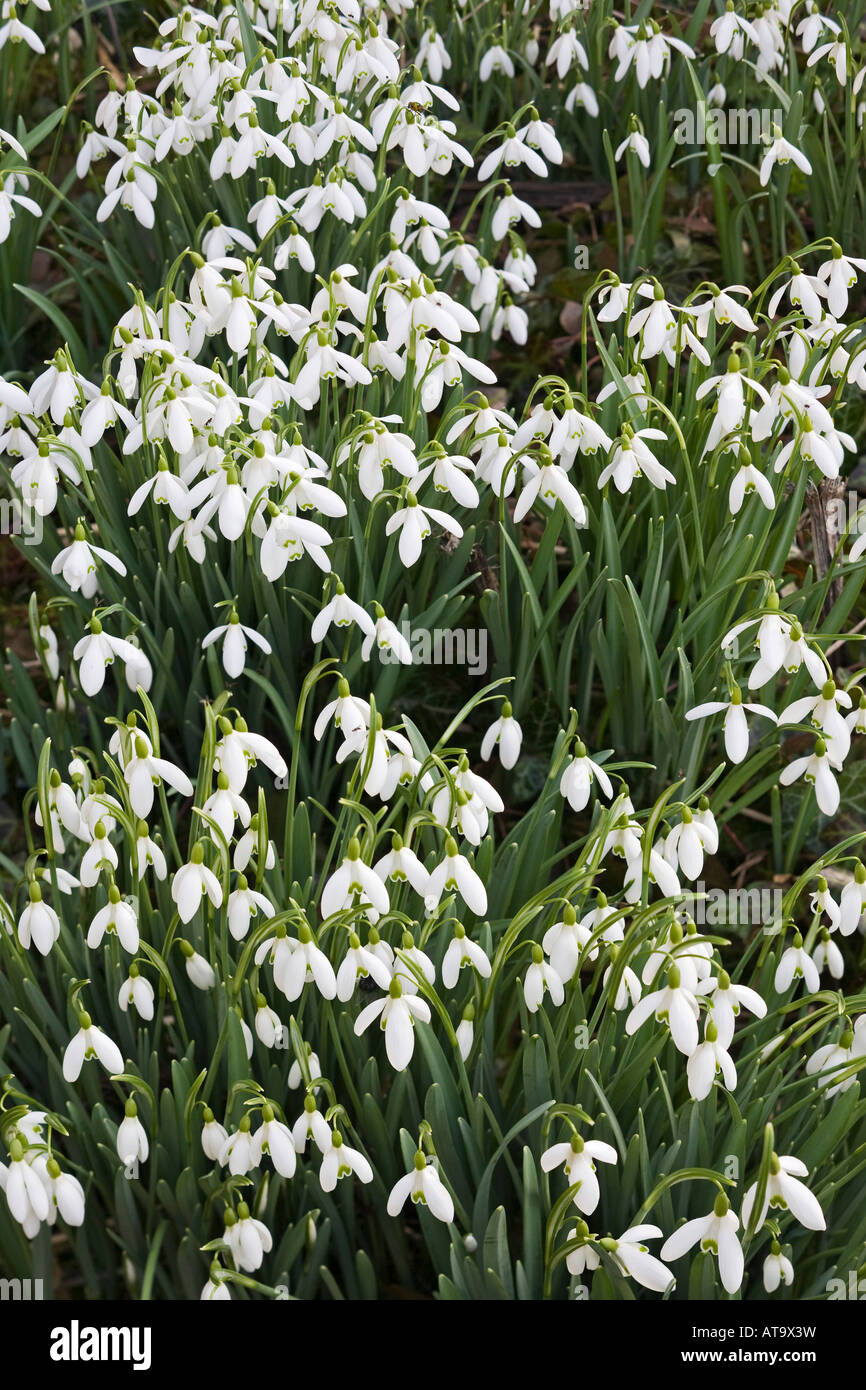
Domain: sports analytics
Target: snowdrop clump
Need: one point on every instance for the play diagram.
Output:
(295, 974)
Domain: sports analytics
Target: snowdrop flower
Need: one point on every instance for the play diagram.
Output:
(354, 878)
(274, 1139)
(119, 919)
(796, 964)
(147, 854)
(142, 772)
(818, 770)
(200, 972)
(236, 1151)
(729, 31)
(88, 1042)
(192, 882)
(76, 563)
(97, 650)
(247, 1239)
(462, 951)
(238, 750)
(38, 923)
(505, 734)
(577, 1157)
(269, 1028)
(634, 1260)
(244, 904)
(65, 1193)
(838, 275)
(827, 956)
(541, 976)
(311, 1124)
(99, 856)
(350, 714)
(565, 51)
(781, 151)
(455, 874)
(342, 612)
(424, 1185)
(495, 60)
(223, 807)
(632, 458)
(821, 901)
(717, 1233)
(508, 212)
(639, 145)
(213, 1136)
(576, 781)
(564, 941)
(234, 652)
(708, 1058)
(465, 1032)
(674, 1005)
(660, 872)
(413, 524)
(584, 1259)
(785, 1190)
(340, 1161)
(736, 728)
(216, 1290)
(307, 964)
(387, 638)
(832, 1060)
(361, 962)
(138, 992)
(131, 1143)
(852, 901)
(823, 710)
(685, 844)
(402, 865)
(777, 1269)
(398, 1011)
(26, 1196)
(726, 1000)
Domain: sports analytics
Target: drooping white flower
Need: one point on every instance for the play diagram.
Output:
(736, 728)
(354, 879)
(781, 151)
(274, 1139)
(88, 1042)
(717, 1233)
(456, 874)
(577, 1156)
(505, 734)
(785, 1190)
(340, 1161)
(777, 1269)
(132, 1142)
(247, 1239)
(235, 644)
(138, 992)
(674, 1005)
(709, 1058)
(424, 1185)
(38, 923)
(633, 1258)
(397, 1011)
(462, 951)
(192, 882)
